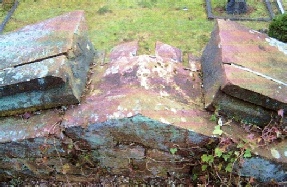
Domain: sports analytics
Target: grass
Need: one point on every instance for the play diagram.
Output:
(114, 21)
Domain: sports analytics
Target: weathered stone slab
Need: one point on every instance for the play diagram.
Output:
(129, 81)
(245, 64)
(166, 51)
(128, 49)
(44, 65)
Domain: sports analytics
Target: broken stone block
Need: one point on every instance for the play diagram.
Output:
(167, 51)
(262, 170)
(128, 49)
(44, 65)
(141, 119)
(238, 110)
(246, 65)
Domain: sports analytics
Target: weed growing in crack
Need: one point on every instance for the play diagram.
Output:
(219, 164)
(16, 182)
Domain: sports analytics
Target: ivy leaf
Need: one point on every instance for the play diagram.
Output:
(247, 153)
(212, 117)
(226, 157)
(173, 150)
(204, 158)
(207, 159)
(219, 167)
(204, 167)
(217, 130)
(194, 176)
(229, 168)
(237, 153)
(218, 152)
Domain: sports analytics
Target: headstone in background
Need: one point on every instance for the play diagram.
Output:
(236, 7)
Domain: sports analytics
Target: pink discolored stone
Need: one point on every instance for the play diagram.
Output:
(139, 84)
(167, 51)
(244, 64)
(128, 49)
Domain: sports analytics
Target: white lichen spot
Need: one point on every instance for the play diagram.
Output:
(183, 119)
(143, 72)
(164, 121)
(110, 98)
(281, 46)
(130, 114)
(88, 47)
(219, 122)
(18, 76)
(137, 108)
(144, 83)
(112, 70)
(275, 153)
(253, 31)
(173, 110)
(95, 117)
(158, 107)
(120, 108)
(163, 94)
(44, 70)
(118, 114)
(41, 81)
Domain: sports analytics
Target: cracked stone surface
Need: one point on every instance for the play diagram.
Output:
(44, 65)
(246, 65)
(135, 110)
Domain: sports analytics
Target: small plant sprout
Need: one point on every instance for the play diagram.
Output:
(173, 150)
(212, 117)
(217, 130)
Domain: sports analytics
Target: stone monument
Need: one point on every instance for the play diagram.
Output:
(236, 7)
